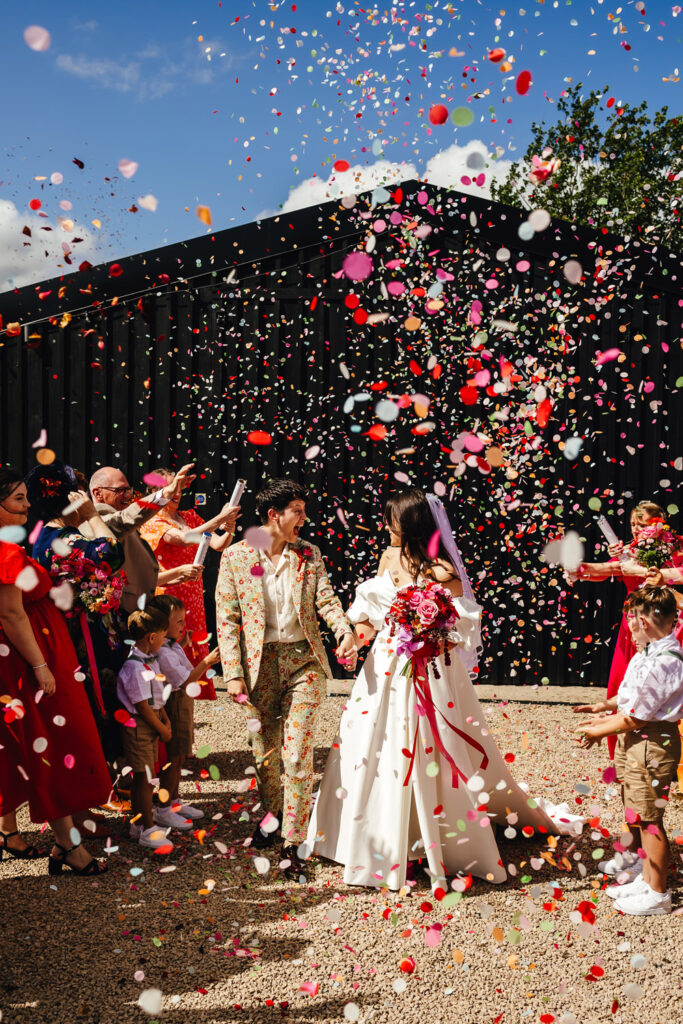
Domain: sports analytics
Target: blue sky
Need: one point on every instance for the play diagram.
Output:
(234, 105)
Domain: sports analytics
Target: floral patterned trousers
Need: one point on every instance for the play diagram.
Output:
(289, 690)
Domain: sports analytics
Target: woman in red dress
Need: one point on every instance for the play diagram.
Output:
(632, 576)
(172, 536)
(50, 753)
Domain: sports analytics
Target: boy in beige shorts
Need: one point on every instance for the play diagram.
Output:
(140, 689)
(177, 671)
(648, 707)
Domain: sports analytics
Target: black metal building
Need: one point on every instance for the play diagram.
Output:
(256, 350)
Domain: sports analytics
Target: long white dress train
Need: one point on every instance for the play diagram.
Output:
(365, 818)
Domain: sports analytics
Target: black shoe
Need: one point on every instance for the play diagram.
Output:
(296, 867)
(263, 840)
(28, 853)
(55, 864)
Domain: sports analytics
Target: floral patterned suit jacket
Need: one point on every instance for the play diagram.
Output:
(240, 609)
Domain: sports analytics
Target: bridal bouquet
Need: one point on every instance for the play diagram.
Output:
(96, 590)
(422, 618)
(655, 544)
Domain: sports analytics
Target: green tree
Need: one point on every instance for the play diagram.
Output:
(623, 172)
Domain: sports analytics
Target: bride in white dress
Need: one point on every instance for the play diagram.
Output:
(370, 813)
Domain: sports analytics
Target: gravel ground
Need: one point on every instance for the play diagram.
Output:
(225, 944)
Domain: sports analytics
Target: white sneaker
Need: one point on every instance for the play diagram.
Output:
(154, 837)
(645, 903)
(169, 819)
(618, 863)
(618, 892)
(188, 811)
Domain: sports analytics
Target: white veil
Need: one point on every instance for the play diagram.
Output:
(440, 516)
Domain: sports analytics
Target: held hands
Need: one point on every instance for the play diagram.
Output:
(615, 549)
(45, 680)
(347, 655)
(182, 479)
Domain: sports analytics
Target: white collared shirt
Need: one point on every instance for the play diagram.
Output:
(652, 688)
(282, 621)
(139, 679)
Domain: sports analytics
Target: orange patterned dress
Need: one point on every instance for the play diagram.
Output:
(191, 593)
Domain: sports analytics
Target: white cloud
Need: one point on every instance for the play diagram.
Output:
(344, 183)
(23, 258)
(122, 77)
(152, 71)
(445, 169)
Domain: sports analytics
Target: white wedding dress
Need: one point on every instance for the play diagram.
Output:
(365, 818)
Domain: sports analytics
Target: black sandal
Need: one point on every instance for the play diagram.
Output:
(56, 864)
(30, 852)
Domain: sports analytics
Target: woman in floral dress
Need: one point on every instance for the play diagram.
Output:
(173, 536)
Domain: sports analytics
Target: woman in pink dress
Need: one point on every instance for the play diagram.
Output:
(633, 576)
(50, 753)
(173, 535)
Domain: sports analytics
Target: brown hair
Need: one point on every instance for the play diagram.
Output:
(658, 602)
(166, 603)
(141, 623)
(649, 508)
(168, 475)
(409, 510)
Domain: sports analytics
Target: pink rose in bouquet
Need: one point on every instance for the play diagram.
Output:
(427, 611)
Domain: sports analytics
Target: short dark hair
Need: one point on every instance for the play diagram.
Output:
(149, 620)
(277, 494)
(166, 603)
(659, 602)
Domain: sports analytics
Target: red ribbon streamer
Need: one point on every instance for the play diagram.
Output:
(97, 689)
(422, 689)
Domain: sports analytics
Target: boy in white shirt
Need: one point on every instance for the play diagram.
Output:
(140, 689)
(648, 707)
(178, 671)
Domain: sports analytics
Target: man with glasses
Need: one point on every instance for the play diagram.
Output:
(111, 494)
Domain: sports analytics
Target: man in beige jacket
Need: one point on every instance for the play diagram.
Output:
(268, 602)
(111, 494)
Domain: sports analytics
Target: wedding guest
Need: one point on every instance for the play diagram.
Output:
(173, 535)
(140, 689)
(648, 707)
(50, 755)
(632, 576)
(178, 671)
(112, 497)
(61, 549)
